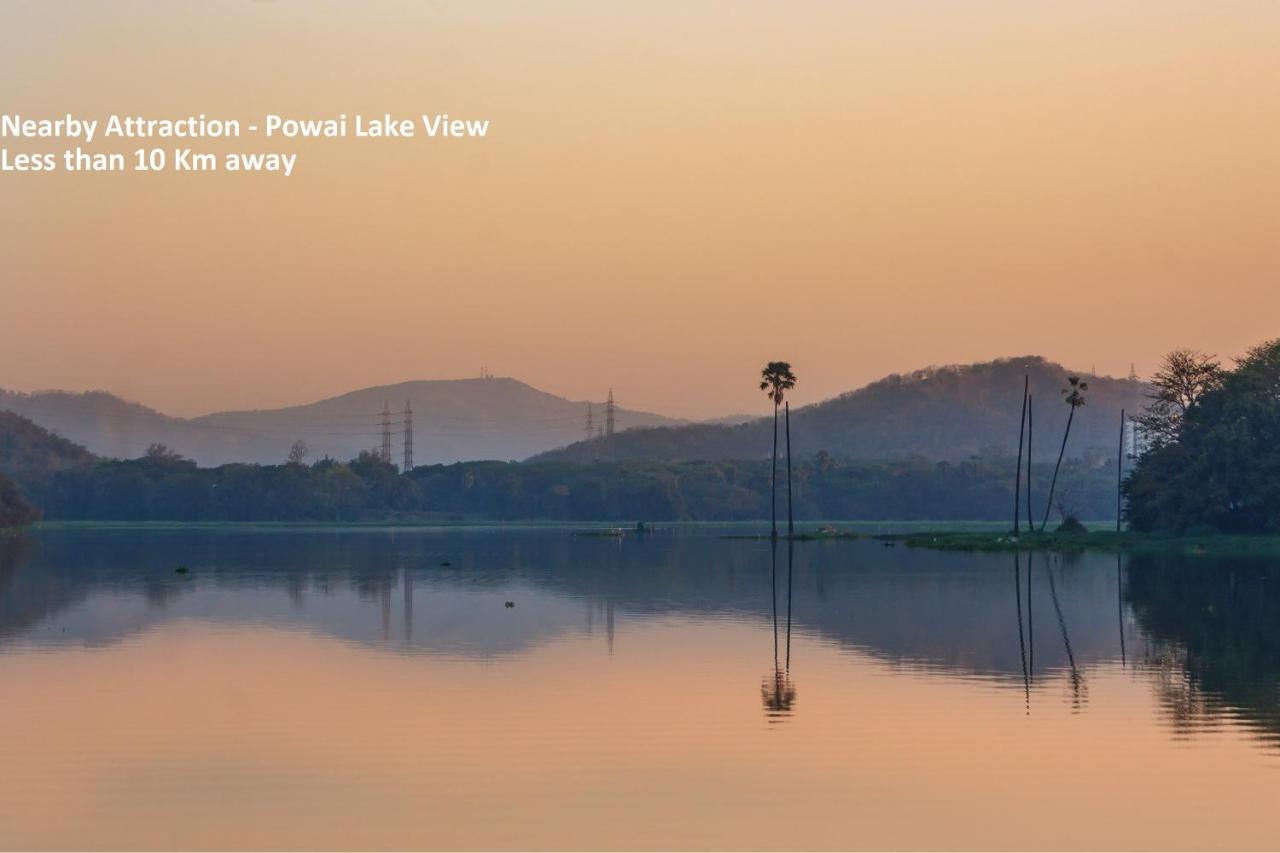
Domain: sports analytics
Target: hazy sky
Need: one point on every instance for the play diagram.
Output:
(671, 194)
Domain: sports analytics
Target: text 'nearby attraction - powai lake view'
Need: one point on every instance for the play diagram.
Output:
(532, 688)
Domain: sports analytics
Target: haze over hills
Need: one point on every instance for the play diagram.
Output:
(942, 413)
(462, 419)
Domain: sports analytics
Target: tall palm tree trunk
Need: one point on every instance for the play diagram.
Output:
(773, 479)
(1120, 475)
(1054, 482)
(791, 523)
(1017, 477)
(1031, 519)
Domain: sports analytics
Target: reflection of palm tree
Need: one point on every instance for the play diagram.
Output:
(777, 691)
(773, 591)
(1022, 648)
(778, 694)
(1031, 628)
(776, 379)
(1077, 680)
(790, 560)
(1074, 393)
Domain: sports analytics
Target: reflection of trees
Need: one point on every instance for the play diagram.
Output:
(1120, 608)
(1214, 629)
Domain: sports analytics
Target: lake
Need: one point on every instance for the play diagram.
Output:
(371, 688)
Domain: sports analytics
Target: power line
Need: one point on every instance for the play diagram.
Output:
(386, 432)
(408, 436)
(608, 414)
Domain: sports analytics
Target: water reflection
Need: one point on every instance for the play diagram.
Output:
(777, 690)
(374, 682)
(1205, 630)
(1077, 678)
(1022, 646)
(1212, 628)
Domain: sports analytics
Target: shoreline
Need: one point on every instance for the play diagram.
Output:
(970, 536)
(1096, 541)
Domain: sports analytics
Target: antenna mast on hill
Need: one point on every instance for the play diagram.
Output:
(386, 432)
(590, 431)
(608, 414)
(408, 436)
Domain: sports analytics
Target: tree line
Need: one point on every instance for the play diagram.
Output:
(164, 486)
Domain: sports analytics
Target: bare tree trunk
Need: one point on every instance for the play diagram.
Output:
(1054, 482)
(791, 523)
(1030, 518)
(1120, 473)
(1017, 479)
(773, 479)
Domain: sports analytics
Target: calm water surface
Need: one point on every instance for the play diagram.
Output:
(369, 688)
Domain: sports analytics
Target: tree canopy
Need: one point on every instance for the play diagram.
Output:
(1218, 469)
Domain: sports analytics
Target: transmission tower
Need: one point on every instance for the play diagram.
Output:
(590, 431)
(386, 432)
(408, 437)
(608, 414)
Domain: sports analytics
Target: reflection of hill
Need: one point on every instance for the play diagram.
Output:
(1214, 624)
(950, 611)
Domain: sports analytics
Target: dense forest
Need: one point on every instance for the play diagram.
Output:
(165, 486)
(1213, 463)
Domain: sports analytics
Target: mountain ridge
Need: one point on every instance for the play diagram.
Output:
(454, 420)
(944, 412)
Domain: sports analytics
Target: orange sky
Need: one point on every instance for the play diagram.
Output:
(670, 195)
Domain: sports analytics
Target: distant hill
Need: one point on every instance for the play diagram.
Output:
(26, 446)
(454, 420)
(941, 413)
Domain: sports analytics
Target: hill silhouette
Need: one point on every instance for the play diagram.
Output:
(454, 420)
(941, 413)
(27, 446)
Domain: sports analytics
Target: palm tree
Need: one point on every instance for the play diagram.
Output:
(775, 380)
(1074, 394)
